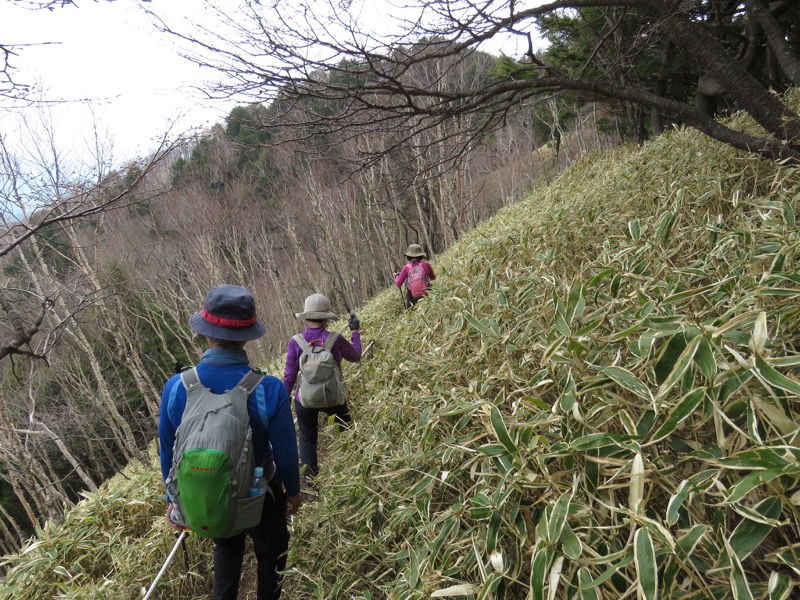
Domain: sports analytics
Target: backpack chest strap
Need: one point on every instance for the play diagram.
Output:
(301, 341)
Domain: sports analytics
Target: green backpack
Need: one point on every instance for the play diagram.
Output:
(213, 460)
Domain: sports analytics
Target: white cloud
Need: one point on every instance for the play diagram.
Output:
(112, 65)
(108, 59)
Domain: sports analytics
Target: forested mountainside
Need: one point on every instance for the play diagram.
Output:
(320, 183)
(98, 283)
(597, 400)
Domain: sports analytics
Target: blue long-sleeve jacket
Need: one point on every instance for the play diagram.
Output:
(269, 408)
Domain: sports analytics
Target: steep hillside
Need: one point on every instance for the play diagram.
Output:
(599, 395)
(598, 400)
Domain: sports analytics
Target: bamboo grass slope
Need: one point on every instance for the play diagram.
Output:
(598, 400)
(110, 545)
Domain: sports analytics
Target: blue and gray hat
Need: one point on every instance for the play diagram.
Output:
(228, 313)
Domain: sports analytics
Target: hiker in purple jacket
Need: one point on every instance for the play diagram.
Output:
(417, 274)
(317, 313)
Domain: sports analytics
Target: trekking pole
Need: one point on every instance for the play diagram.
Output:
(185, 552)
(399, 290)
(164, 568)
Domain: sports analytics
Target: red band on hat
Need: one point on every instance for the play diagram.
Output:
(232, 323)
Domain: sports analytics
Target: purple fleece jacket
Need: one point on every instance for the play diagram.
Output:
(342, 349)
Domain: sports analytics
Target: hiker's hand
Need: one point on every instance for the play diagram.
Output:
(353, 323)
(173, 524)
(293, 504)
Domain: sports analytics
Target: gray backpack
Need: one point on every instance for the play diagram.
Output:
(213, 460)
(321, 384)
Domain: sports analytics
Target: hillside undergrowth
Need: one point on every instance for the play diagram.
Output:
(597, 400)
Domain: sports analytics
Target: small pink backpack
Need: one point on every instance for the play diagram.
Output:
(418, 280)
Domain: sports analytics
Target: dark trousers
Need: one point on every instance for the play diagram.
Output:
(270, 542)
(308, 424)
(410, 300)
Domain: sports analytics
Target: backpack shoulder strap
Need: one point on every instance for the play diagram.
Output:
(301, 341)
(331, 340)
(190, 379)
(251, 380)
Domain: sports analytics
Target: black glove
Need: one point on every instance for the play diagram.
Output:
(353, 323)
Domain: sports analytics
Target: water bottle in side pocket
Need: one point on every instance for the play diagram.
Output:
(258, 484)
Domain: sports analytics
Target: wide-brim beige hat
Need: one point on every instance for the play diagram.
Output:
(415, 251)
(317, 308)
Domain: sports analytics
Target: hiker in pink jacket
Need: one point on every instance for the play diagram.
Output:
(417, 275)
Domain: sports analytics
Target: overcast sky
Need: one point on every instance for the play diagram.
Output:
(109, 54)
(115, 68)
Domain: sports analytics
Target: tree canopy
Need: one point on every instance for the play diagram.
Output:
(662, 61)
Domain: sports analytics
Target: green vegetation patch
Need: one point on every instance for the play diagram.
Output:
(111, 545)
(597, 400)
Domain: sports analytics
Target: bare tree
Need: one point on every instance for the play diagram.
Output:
(346, 78)
(39, 195)
(67, 418)
(10, 87)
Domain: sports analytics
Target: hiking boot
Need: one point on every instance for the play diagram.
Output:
(309, 490)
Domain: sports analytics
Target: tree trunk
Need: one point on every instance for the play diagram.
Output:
(76, 465)
(122, 431)
(739, 84)
(776, 38)
(656, 122)
(12, 540)
(26, 475)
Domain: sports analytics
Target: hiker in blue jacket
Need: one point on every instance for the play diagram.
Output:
(228, 320)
